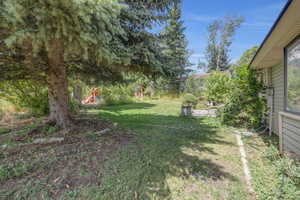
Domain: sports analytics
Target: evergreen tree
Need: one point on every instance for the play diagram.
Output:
(175, 47)
(44, 39)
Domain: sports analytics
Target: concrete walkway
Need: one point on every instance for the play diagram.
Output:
(205, 113)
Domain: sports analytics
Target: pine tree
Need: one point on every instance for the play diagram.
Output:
(175, 47)
(47, 38)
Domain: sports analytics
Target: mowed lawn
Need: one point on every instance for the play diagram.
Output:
(152, 154)
(172, 157)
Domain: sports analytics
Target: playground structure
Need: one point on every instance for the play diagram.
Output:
(93, 98)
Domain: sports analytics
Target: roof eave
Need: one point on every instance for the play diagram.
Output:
(271, 30)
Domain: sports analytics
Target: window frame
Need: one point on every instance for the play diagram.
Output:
(296, 39)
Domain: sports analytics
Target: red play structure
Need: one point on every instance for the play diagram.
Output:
(95, 93)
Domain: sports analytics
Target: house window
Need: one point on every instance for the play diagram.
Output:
(293, 77)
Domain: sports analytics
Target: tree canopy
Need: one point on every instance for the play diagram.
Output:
(247, 56)
(46, 39)
(220, 38)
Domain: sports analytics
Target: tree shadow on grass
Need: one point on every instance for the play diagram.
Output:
(118, 108)
(113, 166)
(165, 146)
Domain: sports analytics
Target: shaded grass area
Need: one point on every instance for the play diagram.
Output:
(53, 171)
(153, 154)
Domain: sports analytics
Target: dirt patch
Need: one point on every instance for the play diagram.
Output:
(26, 132)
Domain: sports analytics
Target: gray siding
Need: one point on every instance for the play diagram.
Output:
(291, 128)
(291, 135)
(278, 85)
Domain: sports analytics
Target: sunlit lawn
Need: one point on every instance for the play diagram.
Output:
(172, 157)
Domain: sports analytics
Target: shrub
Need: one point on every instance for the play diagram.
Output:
(7, 110)
(218, 87)
(26, 94)
(189, 100)
(244, 106)
(118, 94)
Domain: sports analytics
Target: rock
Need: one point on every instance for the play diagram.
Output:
(103, 131)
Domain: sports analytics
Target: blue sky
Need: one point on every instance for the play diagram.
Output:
(259, 17)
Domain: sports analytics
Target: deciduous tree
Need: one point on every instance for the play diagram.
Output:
(220, 38)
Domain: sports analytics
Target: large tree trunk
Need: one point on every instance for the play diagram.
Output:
(58, 87)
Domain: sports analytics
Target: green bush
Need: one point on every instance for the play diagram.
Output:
(243, 106)
(218, 87)
(118, 94)
(26, 94)
(32, 96)
(189, 100)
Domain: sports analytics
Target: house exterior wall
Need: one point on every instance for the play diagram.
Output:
(290, 127)
(291, 135)
(278, 99)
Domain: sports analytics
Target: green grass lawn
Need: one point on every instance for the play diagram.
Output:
(171, 158)
(165, 157)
